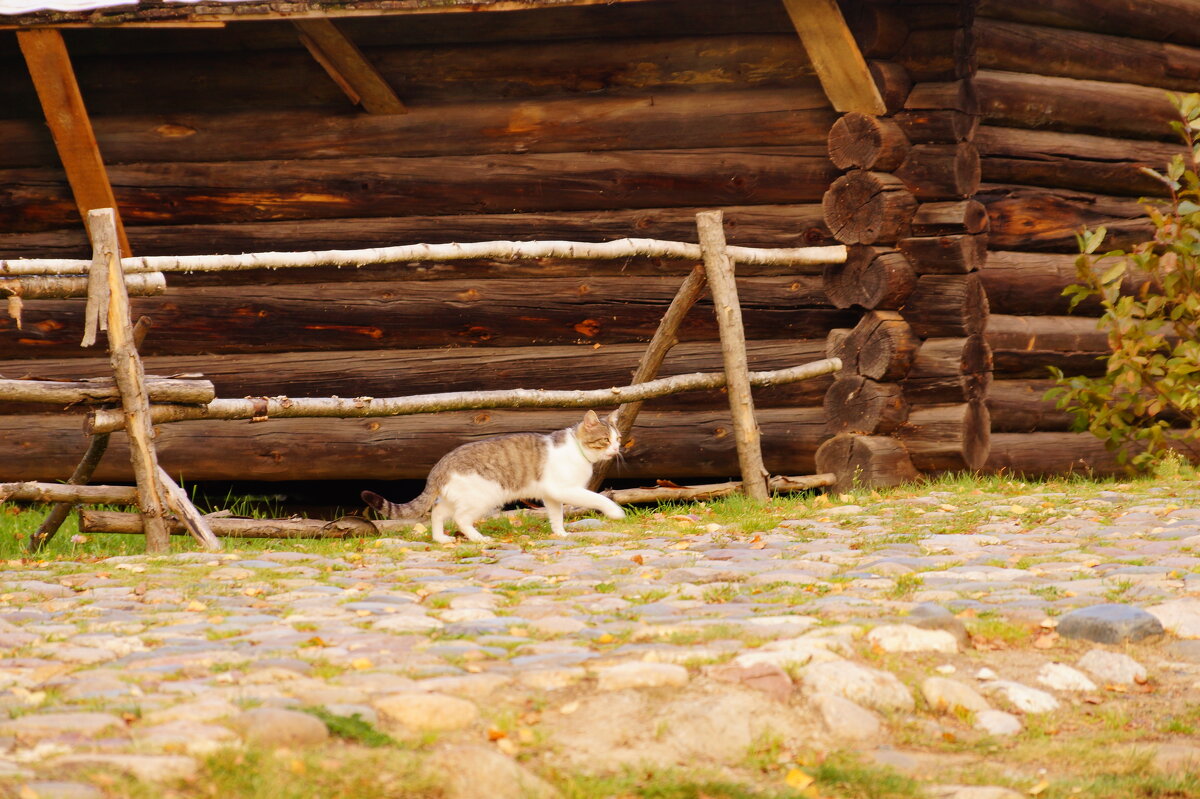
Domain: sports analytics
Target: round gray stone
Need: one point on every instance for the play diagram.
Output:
(1109, 624)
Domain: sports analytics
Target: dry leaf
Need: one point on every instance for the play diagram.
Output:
(495, 734)
(798, 779)
(1037, 789)
(639, 560)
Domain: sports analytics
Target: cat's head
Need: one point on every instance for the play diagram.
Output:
(598, 437)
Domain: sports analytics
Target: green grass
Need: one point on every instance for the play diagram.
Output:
(352, 728)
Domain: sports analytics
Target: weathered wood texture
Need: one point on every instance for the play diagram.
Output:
(1031, 284)
(495, 313)
(863, 207)
(949, 370)
(1023, 346)
(881, 346)
(1021, 406)
(683, 444)
(1152, 20)
(870, 278)
(1047, 219)
(947, 437)
(865, 461)
(856, 404)
(258, 191)
(947, 306)
(1046, 454)
(748, 225)
(385, 373)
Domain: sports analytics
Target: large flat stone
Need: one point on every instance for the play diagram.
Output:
(1110, 624)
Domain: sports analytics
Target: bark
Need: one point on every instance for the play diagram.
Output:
(947, 306)
(104, 389)
(1047, 220)
(865, 461)
(260, 191)
(411, 315)
(1154, 20)
(797, 225)
(385, 373)
(946, 255)
(678, 444)
(947, 437)
(855, 404)
(949, 218)
(949, 370)
(258, 409)
(941, 171)
(1075, 161)
(50, 287)
(862, 141)
(1046, 454)
(177, 500)
(870, 279)
(879, 30)
(672, 493)
(939, 54)
(868, 208)
(1017, 47)
(893, 82)
(1031, 284)
(98, 521)
(620, 248)
(673, 120)
(1080, 106)
(881, 346)
(73, 494)
(719, 267)
(1024, 346)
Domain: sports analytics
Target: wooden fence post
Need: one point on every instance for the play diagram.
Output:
(127, 369)
(719, 267)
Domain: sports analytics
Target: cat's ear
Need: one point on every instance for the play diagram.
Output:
(590, 418)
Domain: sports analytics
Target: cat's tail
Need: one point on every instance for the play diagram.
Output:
(417, 509)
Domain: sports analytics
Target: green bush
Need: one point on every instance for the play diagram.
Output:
(1148, 401)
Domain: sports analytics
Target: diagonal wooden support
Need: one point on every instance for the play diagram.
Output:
(719, 268)
(53, 77)
(348, 67)
(835, 56)
(127, 369)
(664, 338)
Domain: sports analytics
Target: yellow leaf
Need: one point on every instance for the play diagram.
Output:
(1037, 789)
(606, 638)
(361, 664)
(798, 779)
(196, 607)
(297, 766)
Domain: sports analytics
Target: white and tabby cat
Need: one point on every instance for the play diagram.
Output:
(476, 479)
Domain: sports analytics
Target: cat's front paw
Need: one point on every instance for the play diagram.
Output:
(615, 512)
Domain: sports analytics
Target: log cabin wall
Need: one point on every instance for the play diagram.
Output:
(585, 123)
(912, 398)
(1073, 106)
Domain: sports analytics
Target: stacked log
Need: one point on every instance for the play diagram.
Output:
(1073, 111)
(917, 365)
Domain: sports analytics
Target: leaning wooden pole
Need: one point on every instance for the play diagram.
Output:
(127, 368)
(719, 268)
(664, 338)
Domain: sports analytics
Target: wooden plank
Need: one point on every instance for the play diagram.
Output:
(348, 67)
(838, 62)
(50, 67)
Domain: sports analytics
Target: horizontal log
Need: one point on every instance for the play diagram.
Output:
(1024, 346)
(1021, 406)
(1017, 100)
(60, 492)
(1047, 220)
(949, 370)
(1050, 454)
(104, 389)
(947, 306)
(862, 141)
(945, 255)
(1154, 20)
(34, 199)
(676, 445)
(870, 279)
(949, 218)
(672, 493)
(670, 120)
(1036, 49)
(1031, 283)
(1076, 161)
(262, 408)
(893, 82)
(216, 82)
(798, 225)
(420, 253)
(864, 207)
(947, 437)
(940, 171)
(881, 346)
(943, 112)
(104, 521)
(495, 313)
(388, 373)
(865, 461)
(40, 287)
(939, 53)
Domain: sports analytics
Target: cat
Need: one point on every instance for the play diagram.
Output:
(478, 478)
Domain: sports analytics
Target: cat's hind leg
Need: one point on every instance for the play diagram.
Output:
(465, 520)
(437, 521)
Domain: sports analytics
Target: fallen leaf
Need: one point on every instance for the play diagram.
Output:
(1018, 510)
(362, 664)
(495, 734)
(798, 779)
(196, 606)
(639, 560)
(1037, 789)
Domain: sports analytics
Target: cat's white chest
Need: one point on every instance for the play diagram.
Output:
(566, 466)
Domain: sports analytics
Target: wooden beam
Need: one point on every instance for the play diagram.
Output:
(835, 56)
(50, 67)
(349, 68)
